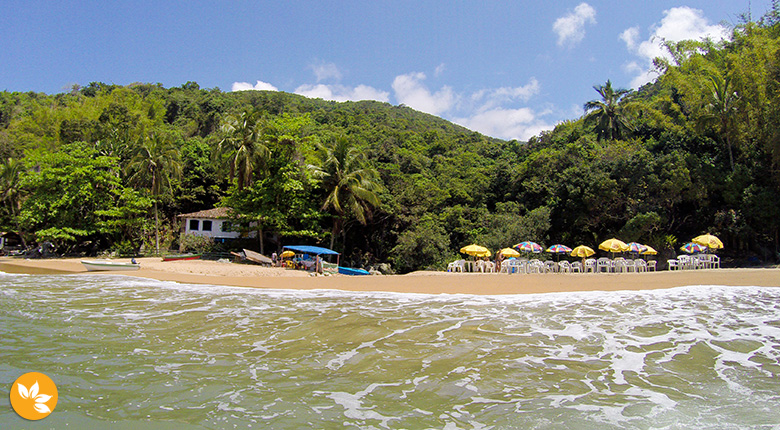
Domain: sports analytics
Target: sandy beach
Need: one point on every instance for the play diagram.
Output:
(245, 275)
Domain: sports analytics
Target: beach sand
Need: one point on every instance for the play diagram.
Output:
(246, 275)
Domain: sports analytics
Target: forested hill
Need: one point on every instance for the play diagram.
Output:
(108, 167)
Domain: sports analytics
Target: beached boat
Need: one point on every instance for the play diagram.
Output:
(257, 257)
(351, 271)
(179, 257)
(102, 265)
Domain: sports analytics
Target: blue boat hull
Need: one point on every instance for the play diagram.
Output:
(351, 271)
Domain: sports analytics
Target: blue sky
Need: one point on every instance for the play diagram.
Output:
(508, 69)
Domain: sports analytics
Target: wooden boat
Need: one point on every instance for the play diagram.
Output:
(180, 257)
(351, 271)
(102, 265)
(257, 257)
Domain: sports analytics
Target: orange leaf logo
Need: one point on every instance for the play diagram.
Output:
(33, 396)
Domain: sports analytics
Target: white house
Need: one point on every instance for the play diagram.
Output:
(213, 223)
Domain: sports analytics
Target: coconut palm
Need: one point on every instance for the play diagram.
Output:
(349, 184)
(608, 113)
(721, 111)
(155, 162)
(10, 189)
(243, 147)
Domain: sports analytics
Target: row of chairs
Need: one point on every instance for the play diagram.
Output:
(606, 265)
(590, 265)
(481, 266)
(692, 262)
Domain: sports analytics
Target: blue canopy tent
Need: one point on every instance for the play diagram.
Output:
(313, 250)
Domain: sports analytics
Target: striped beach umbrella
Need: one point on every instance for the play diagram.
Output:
(636, 247)
(693, 248)
(528, 247)
(559, 249)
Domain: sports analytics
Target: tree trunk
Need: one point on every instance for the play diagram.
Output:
(156, 229)
(335, 231)
(260, 238)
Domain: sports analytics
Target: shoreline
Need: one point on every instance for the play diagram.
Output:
(245, 275)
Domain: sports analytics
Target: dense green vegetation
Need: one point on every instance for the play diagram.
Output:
(105, 167)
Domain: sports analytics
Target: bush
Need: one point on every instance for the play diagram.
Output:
(194, 243)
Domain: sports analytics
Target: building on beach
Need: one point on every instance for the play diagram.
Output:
(213, 223)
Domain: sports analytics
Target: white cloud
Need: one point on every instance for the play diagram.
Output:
(571, 27)
(341, 93)
(260, 86)
(498, 96)
(439, 70)
(630, 36)
(409, 90)
(492, 111)
(325, 71)
(679, 23)
(508, 124)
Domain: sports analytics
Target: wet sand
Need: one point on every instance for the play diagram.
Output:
(245, 275)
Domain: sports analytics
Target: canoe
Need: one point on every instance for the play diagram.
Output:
(180, 257)
(257, 257)
(101, 265)
(352, 272)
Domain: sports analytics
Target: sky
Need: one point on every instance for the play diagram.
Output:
(507, 69)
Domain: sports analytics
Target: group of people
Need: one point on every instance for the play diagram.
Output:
(298, 261)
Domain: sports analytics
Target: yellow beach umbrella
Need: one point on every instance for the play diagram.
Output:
(509, 252)
(649, 251)
(582, 251)
(708, 240)
(476, 251)
(288, 254)
(613, 245)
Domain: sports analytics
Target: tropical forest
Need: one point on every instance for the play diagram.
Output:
(107, 168)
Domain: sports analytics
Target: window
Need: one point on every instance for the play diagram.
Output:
(206, 225)
(226, 226)
(194, 225)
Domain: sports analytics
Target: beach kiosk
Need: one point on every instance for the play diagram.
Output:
(322, 266)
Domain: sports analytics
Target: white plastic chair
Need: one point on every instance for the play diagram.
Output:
(550, 266)
(715, 261)
(604, 263)
(576, 267)
(505, 266)
(640, 265)
(620, 266)
(564, 267)
(673, 264)
(590, 265)
(651, 265)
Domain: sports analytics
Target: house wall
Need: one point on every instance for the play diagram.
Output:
(209, 227)
(216, 231)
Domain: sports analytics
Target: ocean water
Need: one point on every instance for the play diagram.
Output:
(130, 353)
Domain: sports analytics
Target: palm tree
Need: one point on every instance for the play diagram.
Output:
(155, 163)
(10, 190)
(721, 111)
(607, 112)
(350, 185)
(243, 146)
